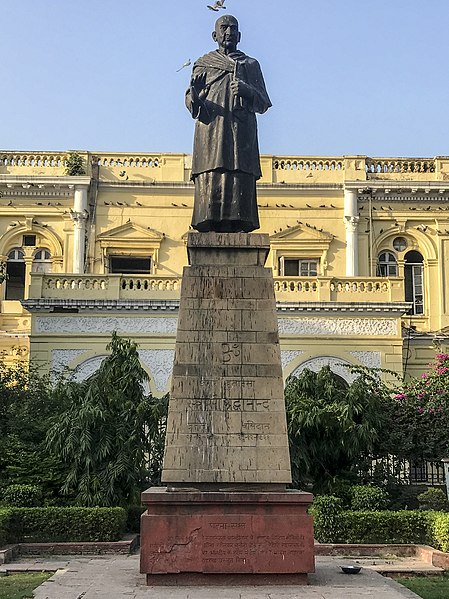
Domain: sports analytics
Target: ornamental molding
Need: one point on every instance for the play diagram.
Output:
(107, 324)
(159, 362)
(381, 327)
(127, 231)
(338, 366)
(370, 359)
(351, 223)
(393, 308)
(288, 356)
(137, 305)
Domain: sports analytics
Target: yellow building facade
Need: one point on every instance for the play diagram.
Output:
(359, 252)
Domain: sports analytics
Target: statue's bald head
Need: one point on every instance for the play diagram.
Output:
(226, 19)
(226, 33)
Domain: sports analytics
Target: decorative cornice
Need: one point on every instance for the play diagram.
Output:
(396, 308)
(97, 305)
(140, 305)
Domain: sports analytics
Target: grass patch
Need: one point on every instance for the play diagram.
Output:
(428, 587)
(21, 586)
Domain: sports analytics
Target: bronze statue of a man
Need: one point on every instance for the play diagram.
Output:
(226, 91)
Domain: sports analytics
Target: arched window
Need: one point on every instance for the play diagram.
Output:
(15, 275)
(387, 265)
(41, 261)
(414, 281)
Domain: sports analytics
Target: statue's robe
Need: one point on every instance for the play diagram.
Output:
(226, 162)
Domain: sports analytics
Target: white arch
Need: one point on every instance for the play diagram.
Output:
(422, 242)
(11, 239)
(87, 368)
(337, 365)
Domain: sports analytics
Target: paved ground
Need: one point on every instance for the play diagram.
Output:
(117, 577)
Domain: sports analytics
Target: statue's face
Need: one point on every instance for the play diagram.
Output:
(227, 34)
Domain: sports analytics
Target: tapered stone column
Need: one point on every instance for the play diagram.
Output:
(226, 422)
(225, 509)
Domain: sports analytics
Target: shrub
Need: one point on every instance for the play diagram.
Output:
(382, 527)
(5, 516)
(326, 511)
(365, 497)
(403, 497)
(22, 496)
(438, 535)
(66, 524)
(74, 164)
(433, 499)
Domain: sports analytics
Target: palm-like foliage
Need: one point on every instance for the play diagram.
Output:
(107, 431)
(331, 424)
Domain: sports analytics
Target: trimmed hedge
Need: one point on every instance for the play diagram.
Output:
(383, 527)
(335, 525)
(64, 524)
(5, 518)
(368, 498)
(438, 530)
(326, 511)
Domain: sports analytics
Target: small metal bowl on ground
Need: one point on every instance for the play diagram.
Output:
(351, 569)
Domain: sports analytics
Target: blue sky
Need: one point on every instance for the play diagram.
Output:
(345, 77)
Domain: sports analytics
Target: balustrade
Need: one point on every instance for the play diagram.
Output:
(128, 161)
(33, 160)
(83, 283)
(308, 289)
(111, 287)
(381, 166)
(296, 285)
(348, 289)
(307, 164)
(140, 284)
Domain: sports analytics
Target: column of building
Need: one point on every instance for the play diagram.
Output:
(79, 215)
(351, 218)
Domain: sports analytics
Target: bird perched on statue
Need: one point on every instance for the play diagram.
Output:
(186, 64)
(217, 5)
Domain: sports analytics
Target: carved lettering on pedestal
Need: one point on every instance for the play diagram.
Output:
(250, 425)
(226, 405)
(231, 352)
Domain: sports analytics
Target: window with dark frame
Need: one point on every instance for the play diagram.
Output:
(130, 265)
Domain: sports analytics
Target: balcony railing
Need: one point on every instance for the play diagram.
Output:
(332, 289)
(120, 167)
(293, 289)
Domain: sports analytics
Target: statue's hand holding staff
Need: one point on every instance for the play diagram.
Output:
(198, 87)
(240, 89)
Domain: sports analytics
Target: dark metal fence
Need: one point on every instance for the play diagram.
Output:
(410, 472)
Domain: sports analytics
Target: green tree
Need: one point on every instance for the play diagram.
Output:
(108, 430)
(27, 405)
(332, 425)
(74, 165)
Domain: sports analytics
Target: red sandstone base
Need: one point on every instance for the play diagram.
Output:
(201, 536)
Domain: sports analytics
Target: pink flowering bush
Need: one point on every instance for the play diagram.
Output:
(420, 413)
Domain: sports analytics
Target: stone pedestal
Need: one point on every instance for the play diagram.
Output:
(259, 538)
(226, 461)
